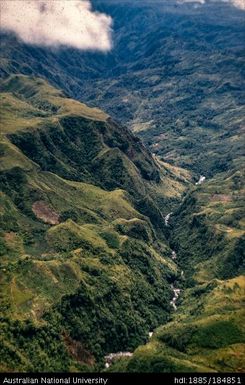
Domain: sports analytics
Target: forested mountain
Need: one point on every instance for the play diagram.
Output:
(86, 268)
(124, 216)
(175, 76)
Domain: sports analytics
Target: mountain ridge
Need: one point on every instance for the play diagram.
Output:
(71, 248)
(108, 244)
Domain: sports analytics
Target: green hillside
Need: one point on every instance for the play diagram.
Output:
(106, 237)
(85, 270)
(207, 332)
(213, 218)
(175, 76)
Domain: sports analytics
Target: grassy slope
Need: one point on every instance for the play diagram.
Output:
(212, 215)
(35, 108)
(207, 332)
(83, 269)
(201, 83)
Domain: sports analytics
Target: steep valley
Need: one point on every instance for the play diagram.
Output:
(85, 265)
(175, 76)
(206, 332)
(89, 265)
(122, 228)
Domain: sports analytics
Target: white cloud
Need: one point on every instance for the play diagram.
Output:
(239, 4)
(57, 22)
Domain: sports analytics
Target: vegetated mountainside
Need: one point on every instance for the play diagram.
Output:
(205, 335)
(175, 75)
(85, 267)
(178, 81)
(213, 218)
(207, 331)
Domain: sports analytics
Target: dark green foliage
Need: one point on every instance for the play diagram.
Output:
(38, 349)
(235, 261)
(111, 238)
(156, 364)
(3, 248)
(78, 216)
(108, 321)
(137, 229)
(217, 335)
(210, 336)
(148, 207)
(14, 184)
(180, 340)
(95, 320)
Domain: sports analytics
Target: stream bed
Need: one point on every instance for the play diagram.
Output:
(112, 357)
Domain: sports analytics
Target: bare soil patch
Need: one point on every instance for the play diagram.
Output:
(221, 198)
(77, 351)
(44, 212)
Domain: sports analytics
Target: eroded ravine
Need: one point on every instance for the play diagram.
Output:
(113, 357)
